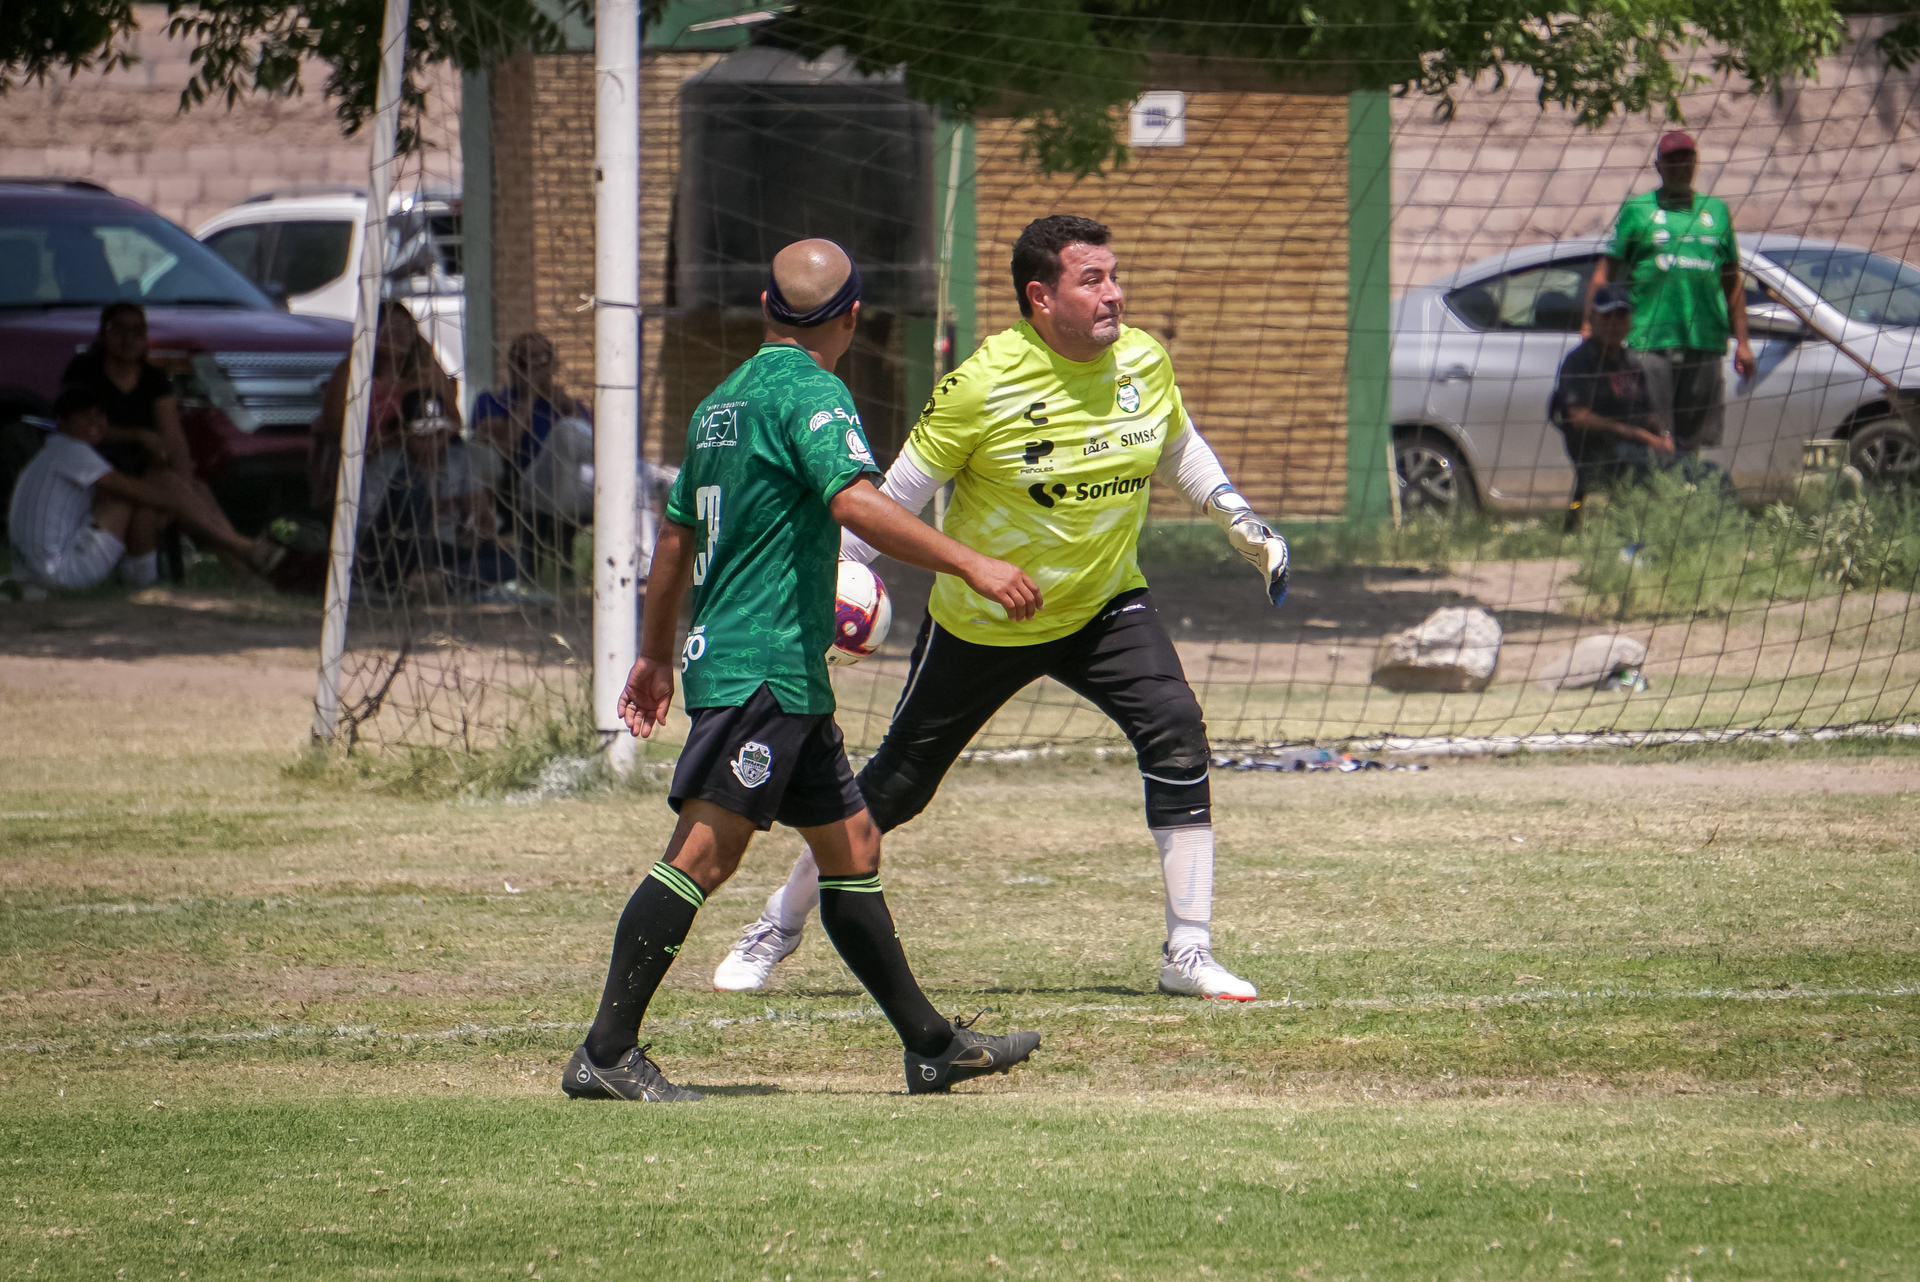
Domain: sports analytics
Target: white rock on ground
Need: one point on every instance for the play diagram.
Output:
(1592, 661)
(1453, 651)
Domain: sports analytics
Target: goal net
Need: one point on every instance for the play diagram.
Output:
(1367, 301)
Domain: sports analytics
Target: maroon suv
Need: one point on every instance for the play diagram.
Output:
(248, 375)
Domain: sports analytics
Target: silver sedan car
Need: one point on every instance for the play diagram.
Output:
(1476, 355)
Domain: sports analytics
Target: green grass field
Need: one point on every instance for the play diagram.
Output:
(1646, 1015)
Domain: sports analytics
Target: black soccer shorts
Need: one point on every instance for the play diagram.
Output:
(767, 765)
(1122, 661)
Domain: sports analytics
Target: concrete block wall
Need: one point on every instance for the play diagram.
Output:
(124, 130)
(1837, 157)
(1233, 251)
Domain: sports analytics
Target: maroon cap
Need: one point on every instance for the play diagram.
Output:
(1674, 141)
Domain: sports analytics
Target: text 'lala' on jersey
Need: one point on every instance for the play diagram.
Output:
(766, 453)
(1050, 460)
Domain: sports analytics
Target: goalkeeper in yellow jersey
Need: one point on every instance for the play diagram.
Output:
(1050, 433)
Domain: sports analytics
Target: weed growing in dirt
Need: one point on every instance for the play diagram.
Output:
(1678, 544)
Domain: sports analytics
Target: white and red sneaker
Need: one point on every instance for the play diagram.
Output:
(1192, 972)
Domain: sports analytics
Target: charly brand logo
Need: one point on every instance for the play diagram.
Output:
(720, 426)
(1046, 495)
(753, 764)
(857, 448)
(819, 420)
(1128, 395)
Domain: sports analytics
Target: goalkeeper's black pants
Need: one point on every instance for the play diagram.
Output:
(1122, 661)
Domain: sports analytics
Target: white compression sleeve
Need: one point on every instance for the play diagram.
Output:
(910, 485)
(788, 906)
(1189, 463)
(1186, 865)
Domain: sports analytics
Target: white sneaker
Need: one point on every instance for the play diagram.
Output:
(761, 946)
(1192, 972)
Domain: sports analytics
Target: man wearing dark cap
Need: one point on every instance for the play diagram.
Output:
(1674, 250)
(1602, 406)
(776, 463)
(74, 519)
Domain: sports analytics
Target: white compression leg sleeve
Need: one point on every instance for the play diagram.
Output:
(1186, 864)
(789, 905)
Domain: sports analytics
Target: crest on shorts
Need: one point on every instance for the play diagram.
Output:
(1129, 396)
(753, 764)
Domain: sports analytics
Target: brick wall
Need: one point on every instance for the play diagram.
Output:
(125, 131)
(543, 211)
(1234, 254)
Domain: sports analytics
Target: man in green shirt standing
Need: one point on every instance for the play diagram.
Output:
(1675, 251)
(776, 463)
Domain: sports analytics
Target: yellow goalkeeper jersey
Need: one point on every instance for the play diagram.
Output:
(1050, 460)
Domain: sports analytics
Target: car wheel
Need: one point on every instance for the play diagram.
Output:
(1887, 453)
(1432, 477)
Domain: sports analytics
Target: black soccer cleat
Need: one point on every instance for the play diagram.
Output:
(971, 1055)
(635, 1077)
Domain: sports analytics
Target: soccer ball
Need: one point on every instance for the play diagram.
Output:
(862, 613)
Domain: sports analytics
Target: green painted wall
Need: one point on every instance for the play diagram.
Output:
(1369, 305)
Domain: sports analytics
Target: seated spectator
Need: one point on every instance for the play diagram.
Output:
(143, 419)
(74, 518)
(517, 420)
(1602, 406)
(543, 441)
(403, 365)
(426, 518)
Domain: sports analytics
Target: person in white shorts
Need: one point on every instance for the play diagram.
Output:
(73, 518)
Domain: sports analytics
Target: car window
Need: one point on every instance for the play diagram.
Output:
(1548, 298)
(24, 267)
(310, 255)
(240, 247)
(1860, 285)
(90, 260)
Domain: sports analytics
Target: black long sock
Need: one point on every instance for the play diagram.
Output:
(854, 911)
(651, 930)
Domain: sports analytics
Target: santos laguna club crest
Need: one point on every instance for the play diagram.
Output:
(754, 764)
(1128, 395)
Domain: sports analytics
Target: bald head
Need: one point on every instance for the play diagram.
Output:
(809, 272)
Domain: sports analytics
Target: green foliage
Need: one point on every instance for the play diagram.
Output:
(1670, 547)
(1064, 67)
(41, 38)
(1067, 67)
(258, 46)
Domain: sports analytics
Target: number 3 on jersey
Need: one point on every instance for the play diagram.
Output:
(706, 506)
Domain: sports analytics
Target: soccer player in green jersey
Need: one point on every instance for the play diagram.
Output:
(1675, 251)
(776, 463)
(1050, 433)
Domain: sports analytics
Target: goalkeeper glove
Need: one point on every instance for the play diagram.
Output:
(1256, 541)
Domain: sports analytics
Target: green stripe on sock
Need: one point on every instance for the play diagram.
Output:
(679, 883)
(867, 885)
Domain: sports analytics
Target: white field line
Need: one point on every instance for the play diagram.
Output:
(1435, 1001)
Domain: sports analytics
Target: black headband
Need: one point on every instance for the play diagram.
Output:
(839, 305)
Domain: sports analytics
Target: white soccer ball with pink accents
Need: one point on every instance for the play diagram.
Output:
(862, 613)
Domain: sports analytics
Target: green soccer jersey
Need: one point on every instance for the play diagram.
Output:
(1673, 259)
(766, 453)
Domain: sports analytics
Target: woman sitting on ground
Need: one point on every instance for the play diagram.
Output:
(403, 365)
(143, 418)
